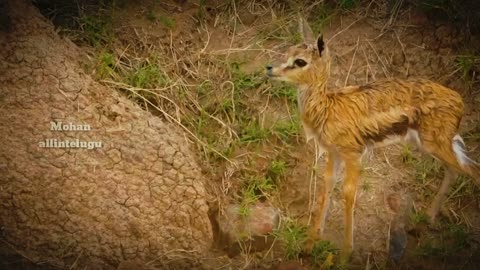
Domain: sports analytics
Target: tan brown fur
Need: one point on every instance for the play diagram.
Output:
(344, 122)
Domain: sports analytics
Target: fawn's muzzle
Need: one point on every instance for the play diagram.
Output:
(269, 69)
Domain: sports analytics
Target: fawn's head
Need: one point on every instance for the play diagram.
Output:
(306, 63)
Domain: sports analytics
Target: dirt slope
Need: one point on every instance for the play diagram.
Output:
(140, 195)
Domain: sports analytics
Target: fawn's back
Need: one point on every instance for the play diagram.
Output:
(383, 112)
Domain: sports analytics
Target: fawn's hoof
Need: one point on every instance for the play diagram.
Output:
(432, 215)
(313, 237)
(308, 246)
(346, 253)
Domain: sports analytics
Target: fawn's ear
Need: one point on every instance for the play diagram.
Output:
(305, 31)
(320, 45)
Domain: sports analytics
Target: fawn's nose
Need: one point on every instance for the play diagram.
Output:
(269, 70)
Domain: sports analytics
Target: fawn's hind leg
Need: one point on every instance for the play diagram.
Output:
(445, 153)
(448, 180)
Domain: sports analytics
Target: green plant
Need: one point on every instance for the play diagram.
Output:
(105, 65)
(204, 126)
(204, 88)
(348, 4)
(323, 254)
(467, 63)
(284, 90)
(97, 30)
(293, 236)
(459, 233)
(426, 169)
(366, 185)
(151, 16)
(281, 29)
(444, 7)
(295, 38)
(277, 169)
(252, 132)
(407, 155)
(249, 197)
(453, 239)
(243, 81)
(429, 247)
(419, 218)
(474, 134)
(263, 186)
(287, 129)
(166, 21)
(147, 76)
(253, 190)
(323, 16)
(200, 14)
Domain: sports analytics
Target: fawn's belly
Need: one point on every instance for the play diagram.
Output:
(411, 136)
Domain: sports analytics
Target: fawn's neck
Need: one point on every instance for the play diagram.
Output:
(312, 99)
(309, 94)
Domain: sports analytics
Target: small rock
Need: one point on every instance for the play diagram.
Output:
(261, 220)
(234, 228)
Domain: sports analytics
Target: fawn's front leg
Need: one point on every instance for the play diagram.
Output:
(332, 162)
(352, 173)
(316, 231)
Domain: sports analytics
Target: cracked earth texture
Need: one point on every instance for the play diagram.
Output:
(141, 195)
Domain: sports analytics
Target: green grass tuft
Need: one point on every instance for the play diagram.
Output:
(293, 236)
(366, 185)
(426, 169)
(467, 64)
(252, 132)
(243, 81)
(166, 21)
(151, 16)
(348, 4)
(323, 254)
(253, 190)
(105, 65)
(97, 30)
(285, 91)
(419, 218)
(407, 155)
(147, 76)
(323, 15)
(277, 169)
(285, 130)
(453, 240)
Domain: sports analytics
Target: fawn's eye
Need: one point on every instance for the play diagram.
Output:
(300, 63)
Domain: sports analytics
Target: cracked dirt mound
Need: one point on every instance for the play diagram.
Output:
(141, 195)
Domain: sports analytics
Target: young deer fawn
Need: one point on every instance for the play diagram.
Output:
(346, 121)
